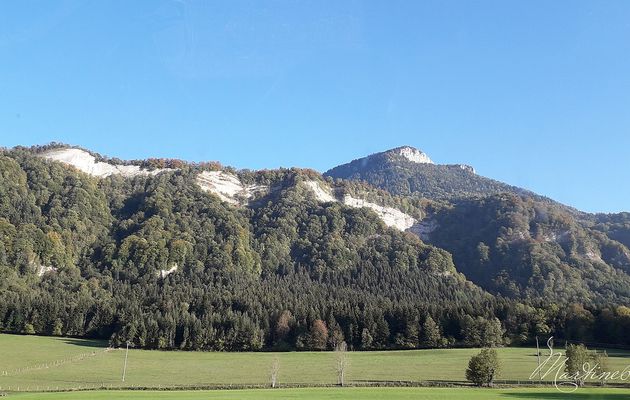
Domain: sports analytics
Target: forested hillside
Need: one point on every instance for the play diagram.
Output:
(523, 248)
(506, 239)
(169, 254)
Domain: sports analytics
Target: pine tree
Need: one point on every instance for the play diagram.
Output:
(366, 339)
(430, 336)
(57, 328)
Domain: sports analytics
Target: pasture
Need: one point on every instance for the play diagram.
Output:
(36, 364)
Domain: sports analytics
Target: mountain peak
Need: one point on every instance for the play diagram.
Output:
(411, 154)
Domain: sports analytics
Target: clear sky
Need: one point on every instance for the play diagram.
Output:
(533, 93)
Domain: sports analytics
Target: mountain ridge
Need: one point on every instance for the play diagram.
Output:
(152, 164)
(394, 171)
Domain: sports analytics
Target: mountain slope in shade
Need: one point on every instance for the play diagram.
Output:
(407, 171)
(523, 248)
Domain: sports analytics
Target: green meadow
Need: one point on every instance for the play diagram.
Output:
(35, 364)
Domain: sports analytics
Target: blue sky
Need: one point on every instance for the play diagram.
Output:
(533, 93)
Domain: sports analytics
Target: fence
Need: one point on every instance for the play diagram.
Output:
(54, 363)
(500, 383)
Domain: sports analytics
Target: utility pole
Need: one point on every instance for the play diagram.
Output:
(125, 367)
(538, 356)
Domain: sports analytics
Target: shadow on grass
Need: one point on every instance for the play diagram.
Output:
(85, 342)
(566, 396)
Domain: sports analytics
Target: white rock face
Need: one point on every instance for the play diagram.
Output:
(84, 161)
(390, 216)
(224, 185)
(467, 168)
(227, 186)
(163, 273)
(414, 155)
(593, 255)
(41, 270)
(555, 236)
(322, 195)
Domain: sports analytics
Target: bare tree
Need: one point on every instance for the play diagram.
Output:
(273, 372)
(342, 362)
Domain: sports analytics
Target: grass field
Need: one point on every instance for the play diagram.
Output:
(34, 363)
(339, 394)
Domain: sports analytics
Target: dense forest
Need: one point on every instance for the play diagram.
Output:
(158, 261)
(522, 248)
(506, 239)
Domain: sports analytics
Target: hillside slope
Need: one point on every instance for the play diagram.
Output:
(190, 258)
(198, 256)
(506, 239)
